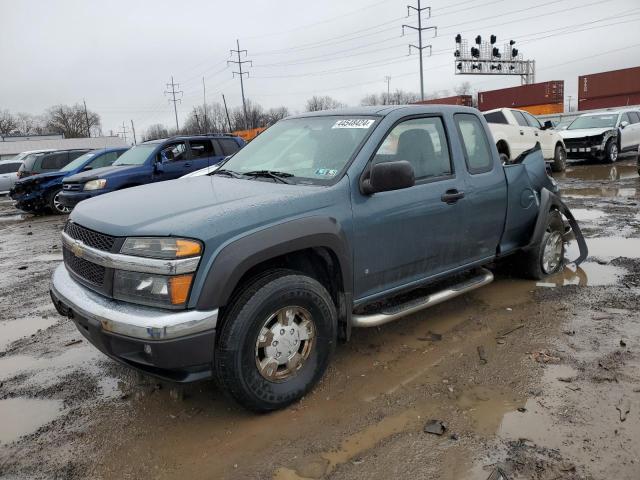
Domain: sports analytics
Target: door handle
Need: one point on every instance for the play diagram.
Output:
(521, 132)
(536, 134)
(451, 196)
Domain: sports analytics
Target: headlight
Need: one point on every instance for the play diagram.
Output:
(158, 247)
(95, 184)
(153, 290)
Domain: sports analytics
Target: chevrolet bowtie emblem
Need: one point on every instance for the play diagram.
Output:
(76, 248)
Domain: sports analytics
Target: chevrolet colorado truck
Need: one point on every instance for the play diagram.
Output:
(516, 131)
(325, 222)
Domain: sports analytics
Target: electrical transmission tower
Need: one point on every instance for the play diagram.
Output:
(240, 73)
(173, 92)
(123, 132)
(419, 9)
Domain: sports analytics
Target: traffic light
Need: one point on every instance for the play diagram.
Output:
(514, 52)
(478, 39)
(459, 66)
(475, 52)
(458, 38)
(495, 52)
(493, 39)
(457, 53)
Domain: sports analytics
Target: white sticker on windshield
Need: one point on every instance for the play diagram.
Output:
(354, 123)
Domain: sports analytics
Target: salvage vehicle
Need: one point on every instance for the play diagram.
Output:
(39, 192)
(326, 221)
(150, 162)
(515, 131)
(48, 161)
(603, 136)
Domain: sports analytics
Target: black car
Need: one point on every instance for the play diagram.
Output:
(48, 161)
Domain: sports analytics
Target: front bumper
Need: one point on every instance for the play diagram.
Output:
(172, 345)
(71, 199)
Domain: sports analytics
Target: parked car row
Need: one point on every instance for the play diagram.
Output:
(48, 180)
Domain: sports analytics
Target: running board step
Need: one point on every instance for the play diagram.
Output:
(392, 313)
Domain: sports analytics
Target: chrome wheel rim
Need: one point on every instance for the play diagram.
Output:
(58, 206)
(284, 343)
(613, 153)
(552, 253)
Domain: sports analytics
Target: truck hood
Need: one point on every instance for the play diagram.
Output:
(583, 132)
(96, 173)
(199, 207)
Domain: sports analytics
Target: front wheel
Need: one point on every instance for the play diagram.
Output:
(547, 257)
(55, 205)
(611, 151)
(559, 159)
(276, 341)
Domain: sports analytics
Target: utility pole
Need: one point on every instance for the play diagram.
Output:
(86, 117)
(419, 9)
(195, 114)
(226, 111)
(388, 80)
(240, 73)
(133, 129)
(173, 93)
(570, 97)
(123, 132)
(204, 105)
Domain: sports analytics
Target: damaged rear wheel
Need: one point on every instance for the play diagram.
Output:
(547, 257)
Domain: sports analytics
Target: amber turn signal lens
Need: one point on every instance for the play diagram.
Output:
(187, 248)
(179, 288)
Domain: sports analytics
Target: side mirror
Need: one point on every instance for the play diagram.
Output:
(389, 176)
(158, 166)
(547, 125)
(623, 124)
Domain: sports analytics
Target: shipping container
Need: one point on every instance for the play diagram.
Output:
(609, 102)
(525, 95)
(614, 83)
(248, 135)
(460, 100)
(545, 109)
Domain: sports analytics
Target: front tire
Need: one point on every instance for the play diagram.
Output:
(559, 159)
(55, 205)
(276, 341)
(547, 257)
(611, 151)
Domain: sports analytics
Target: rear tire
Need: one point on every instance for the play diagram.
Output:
(276, 341)
(546, 257)
(55, 205)
(559, 159)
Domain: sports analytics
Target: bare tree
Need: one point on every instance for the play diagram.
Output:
(8, 123)
(72, 122)
(464, 89)
(155, 131)
(317, 103)
(255, 117)
(28, 124)
(274, 114)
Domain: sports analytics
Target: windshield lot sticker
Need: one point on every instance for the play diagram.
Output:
(325, 172)
(354, 123)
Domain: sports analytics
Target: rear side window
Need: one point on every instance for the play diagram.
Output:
(54, 161)
(201, 148)
(634, 117)
(496, 117)
(531, 120)
(175, 152)
(520, 118)
(229, 146)
(624, 118)
(30, 162)
(9, 167)
(474, 141)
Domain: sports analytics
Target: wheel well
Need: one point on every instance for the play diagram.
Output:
(503, 147)
(559, 144)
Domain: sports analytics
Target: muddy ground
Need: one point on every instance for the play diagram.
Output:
(541, 380)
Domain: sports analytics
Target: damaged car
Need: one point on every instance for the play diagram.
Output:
(326, 222)
(603, 136)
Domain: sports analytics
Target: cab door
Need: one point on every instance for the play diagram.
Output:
(202, 153)
(528, 137)
(545, 137)
(174, 161)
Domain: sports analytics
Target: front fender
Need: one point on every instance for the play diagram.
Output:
(549, 201)
(237, 257)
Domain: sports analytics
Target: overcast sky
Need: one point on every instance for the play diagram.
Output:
(119, 55)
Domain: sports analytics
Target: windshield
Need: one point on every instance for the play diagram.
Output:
(136, 155)
(314, 149)
(77, 162)
(595, 121)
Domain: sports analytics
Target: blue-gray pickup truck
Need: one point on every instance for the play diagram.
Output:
(252, 273)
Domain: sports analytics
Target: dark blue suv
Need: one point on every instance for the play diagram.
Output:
(39, 192)
(149, 162)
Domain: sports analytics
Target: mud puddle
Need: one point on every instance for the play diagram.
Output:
(621, 171)
(591, 274)
(13, 330)
(587, 215)
(22, 416)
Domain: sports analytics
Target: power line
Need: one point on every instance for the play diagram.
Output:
(123, 132)
(173, 93)
(240, 73)
(420, 47)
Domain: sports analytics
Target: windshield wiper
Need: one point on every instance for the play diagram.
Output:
(279, 176)
(224, 171)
